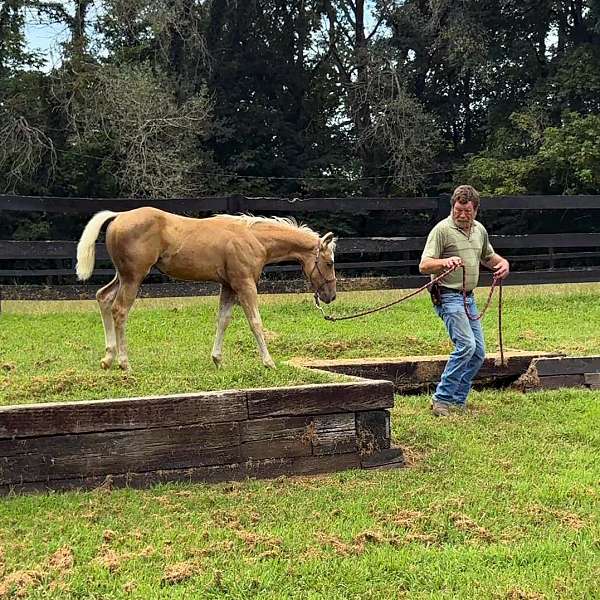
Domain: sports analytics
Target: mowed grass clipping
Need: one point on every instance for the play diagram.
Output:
(51, 351)
(501, 503)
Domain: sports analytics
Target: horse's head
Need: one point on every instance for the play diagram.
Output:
(321, 273)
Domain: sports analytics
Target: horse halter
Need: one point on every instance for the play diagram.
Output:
(318, 269)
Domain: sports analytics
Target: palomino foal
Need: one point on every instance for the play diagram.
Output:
(230, 250)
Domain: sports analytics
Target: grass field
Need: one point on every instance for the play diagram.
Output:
(500, 503)
(52, 351)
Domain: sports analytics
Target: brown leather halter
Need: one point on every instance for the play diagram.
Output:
(318, 269)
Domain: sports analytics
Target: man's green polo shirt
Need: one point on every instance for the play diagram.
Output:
(446, 239)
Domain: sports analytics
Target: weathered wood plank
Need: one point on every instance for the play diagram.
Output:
(555, 382)
(231, 204)
(336, 441)
(320, 399)
(373, 431)
(413, 372)
(318, 434)
(122, 414)
(306, 465)
(52, 249)
(271, 428)
(592, 380)
(567, 365)
(268, 468)
(276, 448)
(109, 453)
(238, 204)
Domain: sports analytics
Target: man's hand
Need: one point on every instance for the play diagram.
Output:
(453, 261)
(502, 269)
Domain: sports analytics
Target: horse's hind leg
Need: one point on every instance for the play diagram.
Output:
(226, 302)
(105, 297)
(123, 302)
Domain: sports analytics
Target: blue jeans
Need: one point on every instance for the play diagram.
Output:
(469, 349)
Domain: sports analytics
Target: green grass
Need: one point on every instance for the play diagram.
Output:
(500, 503)
(51, 351)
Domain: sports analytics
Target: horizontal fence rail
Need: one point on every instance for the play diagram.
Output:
(45, 269)
(235, 204)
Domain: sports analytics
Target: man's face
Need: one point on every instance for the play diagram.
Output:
(464, 214)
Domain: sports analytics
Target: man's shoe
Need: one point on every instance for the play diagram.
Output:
(440, 409)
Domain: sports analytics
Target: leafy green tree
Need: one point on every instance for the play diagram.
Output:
(567, 161)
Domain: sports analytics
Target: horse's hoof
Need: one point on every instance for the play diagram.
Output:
(217, 360)
(269, 364)
(106, 363)
(124, 365)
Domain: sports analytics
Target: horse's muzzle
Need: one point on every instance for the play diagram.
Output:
(327, 298)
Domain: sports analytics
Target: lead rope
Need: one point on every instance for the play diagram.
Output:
(495, 283)
(374, 310)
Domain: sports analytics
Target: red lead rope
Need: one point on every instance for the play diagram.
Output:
(495, 283)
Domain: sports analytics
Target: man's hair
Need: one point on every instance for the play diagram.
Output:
(464, 194)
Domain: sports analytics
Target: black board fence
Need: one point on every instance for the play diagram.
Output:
(45, 269)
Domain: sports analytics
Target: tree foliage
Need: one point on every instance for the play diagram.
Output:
(298, 97)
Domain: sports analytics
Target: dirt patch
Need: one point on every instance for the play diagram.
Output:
(407, 518)
(222, 518)
(18, 583)
(62, 560)
(541, 514)
(519, 594)
(179, 572)
(530, 380)
(412, 456)
(108, 535)
(466, 524)
(254, 540)
(341, 548)
(111, 560)
(359, 543)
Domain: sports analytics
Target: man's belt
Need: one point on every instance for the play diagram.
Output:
(447, 290)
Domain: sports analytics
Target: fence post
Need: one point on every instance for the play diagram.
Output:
(443, 207)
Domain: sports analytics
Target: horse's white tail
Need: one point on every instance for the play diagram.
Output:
(86, 249)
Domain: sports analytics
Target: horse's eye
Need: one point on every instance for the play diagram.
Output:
(330, 264)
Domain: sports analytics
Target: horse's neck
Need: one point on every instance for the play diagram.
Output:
(286, 243)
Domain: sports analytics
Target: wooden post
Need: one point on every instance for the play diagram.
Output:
(443, 207)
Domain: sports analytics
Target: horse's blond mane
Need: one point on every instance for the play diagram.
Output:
(251, 220)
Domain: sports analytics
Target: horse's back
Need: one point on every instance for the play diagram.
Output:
(182, 247)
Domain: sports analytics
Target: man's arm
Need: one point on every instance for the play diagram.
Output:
(498, 264)
(433, 266)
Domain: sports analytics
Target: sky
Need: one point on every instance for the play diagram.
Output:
(46, 37)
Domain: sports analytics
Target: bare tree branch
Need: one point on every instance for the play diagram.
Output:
(23, 149)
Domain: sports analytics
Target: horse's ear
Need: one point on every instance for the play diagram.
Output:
(327, 239)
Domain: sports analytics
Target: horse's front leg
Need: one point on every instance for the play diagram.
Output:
(248, 298)
(226, 302)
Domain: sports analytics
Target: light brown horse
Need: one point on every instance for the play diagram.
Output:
(230, 250)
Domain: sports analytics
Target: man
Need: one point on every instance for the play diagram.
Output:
(459, 240)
